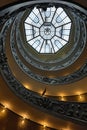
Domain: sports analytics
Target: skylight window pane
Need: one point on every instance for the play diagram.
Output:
(49, 19)
(36, 30)
(31, 42)
(39, 47)
(64, 21)
(36, 43)
(38, 17)
(34, 17)
(59, 10)
(58, 19)
(42, 14)
(57, 15)
(51, 46)
(67, 20)
(31, 16)
(66, 32)
(29, 37)
(48, 46)
(61, 40)
(48, 12)
(36, 20)
(28, 20)
(59, 31)
(54, 46)
(67, 26)
(36, 11)
(58, 44)
(47, 49)
(63, 15)
(66, 37)
(47, 16)
(53, 9)
(43, 48)
(28, 32)
(27, 26)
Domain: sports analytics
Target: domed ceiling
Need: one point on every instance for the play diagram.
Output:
(47, 31)
(43, 54)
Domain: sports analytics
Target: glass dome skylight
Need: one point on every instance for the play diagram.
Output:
(47, 31)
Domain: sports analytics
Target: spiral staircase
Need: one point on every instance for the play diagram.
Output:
(43, 90)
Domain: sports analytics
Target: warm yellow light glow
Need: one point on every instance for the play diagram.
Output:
(62, 98)
(7, 105)
(80, 96)
(40, 92)
(25, 115)
(78, 93)
(26, 86)
(3, 112)
(23, 121)
(44, 125)
(66, 129)
(4, 109)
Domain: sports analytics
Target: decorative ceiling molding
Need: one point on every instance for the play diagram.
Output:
(60, 63)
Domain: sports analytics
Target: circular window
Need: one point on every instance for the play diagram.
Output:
(47, 31)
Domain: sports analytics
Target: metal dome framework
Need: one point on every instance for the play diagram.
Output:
(47, 31)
